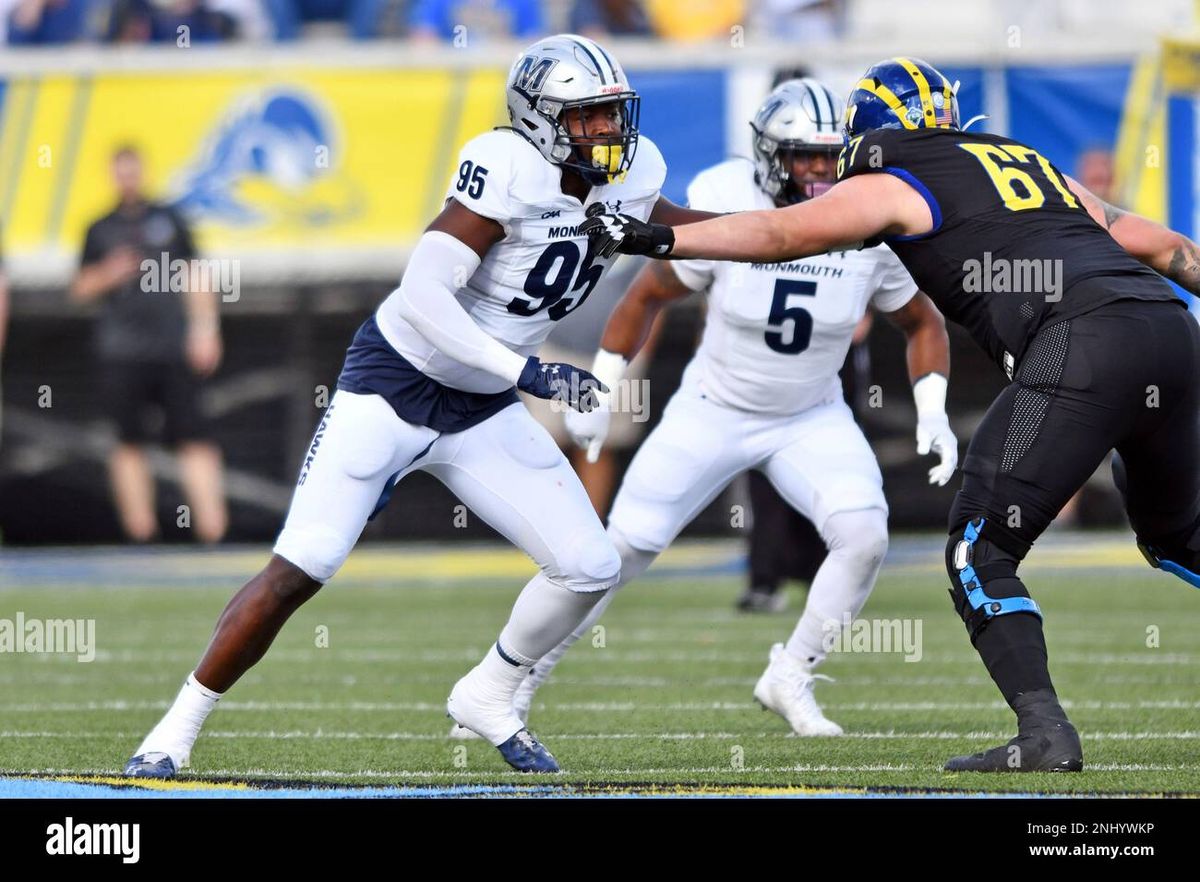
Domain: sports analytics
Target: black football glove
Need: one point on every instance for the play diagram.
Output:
(561, 382)
(613, 233)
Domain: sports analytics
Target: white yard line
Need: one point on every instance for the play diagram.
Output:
(890, 735)
(589, 706)
(615, 655)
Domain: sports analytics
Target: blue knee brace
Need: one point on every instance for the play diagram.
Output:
(1154, 556)
(975, 606)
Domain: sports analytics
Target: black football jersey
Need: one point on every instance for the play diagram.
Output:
(1012, 249)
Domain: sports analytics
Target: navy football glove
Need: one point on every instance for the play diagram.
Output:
(561, 382)
(613, 233)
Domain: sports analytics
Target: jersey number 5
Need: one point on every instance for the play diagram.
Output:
(560, 259)
(1017, 188)
(801, 319)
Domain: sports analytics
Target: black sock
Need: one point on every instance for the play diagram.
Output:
(1038, 710)
(1013, 649)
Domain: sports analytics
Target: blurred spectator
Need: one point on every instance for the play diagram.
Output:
(699, 20)
(476, 21)
(247, 18)
(362, 17)
(154, 347)
(784, 545)
(3, 335)
(1096, 171)
(605, 18)
(168, 21)
(45, 22)
(783, 74)
(800, 21)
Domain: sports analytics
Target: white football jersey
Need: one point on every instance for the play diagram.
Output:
(777, 334)
(542, 269)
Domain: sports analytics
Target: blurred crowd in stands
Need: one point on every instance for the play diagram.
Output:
(462, 23)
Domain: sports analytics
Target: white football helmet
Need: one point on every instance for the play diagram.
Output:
(798, 116)
(567, 71)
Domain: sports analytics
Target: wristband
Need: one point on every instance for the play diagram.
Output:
(929, 393)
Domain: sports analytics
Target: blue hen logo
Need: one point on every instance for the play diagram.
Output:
(265, 164)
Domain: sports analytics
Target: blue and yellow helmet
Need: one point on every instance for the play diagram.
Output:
(901, 93)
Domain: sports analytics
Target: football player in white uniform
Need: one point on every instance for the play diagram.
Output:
(762, 392)
(430, 383)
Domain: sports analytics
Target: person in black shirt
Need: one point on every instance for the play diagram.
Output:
(4, 307)
(154, 348)
(1066, 293)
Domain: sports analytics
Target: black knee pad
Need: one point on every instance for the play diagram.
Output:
(983, 577)
(1178, 551)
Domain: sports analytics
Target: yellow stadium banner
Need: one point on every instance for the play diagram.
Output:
(283, 160)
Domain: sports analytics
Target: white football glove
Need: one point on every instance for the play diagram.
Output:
(933, 427)
(934, 434)
(588, 430)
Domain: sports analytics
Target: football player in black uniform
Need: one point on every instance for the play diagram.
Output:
(1066, 293)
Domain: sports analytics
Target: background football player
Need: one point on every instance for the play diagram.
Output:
(428, 384)
(1103, 356)
(763, 392)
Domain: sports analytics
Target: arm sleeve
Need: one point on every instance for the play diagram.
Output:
(439, 266)
(896, 287)
(697, 274)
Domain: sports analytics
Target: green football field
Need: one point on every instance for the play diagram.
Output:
(353, 691)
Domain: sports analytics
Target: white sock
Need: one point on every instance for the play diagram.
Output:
(857, 543)
(498, 675)
(177, 731)
(545, 613)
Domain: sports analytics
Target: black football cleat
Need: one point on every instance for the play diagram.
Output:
(1055, 748)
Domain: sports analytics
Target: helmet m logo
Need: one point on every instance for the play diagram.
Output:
(531, 73)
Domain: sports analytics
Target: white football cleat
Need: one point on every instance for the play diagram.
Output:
(521, 702)
(786, 687)
(490, 716)
(493, 717)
